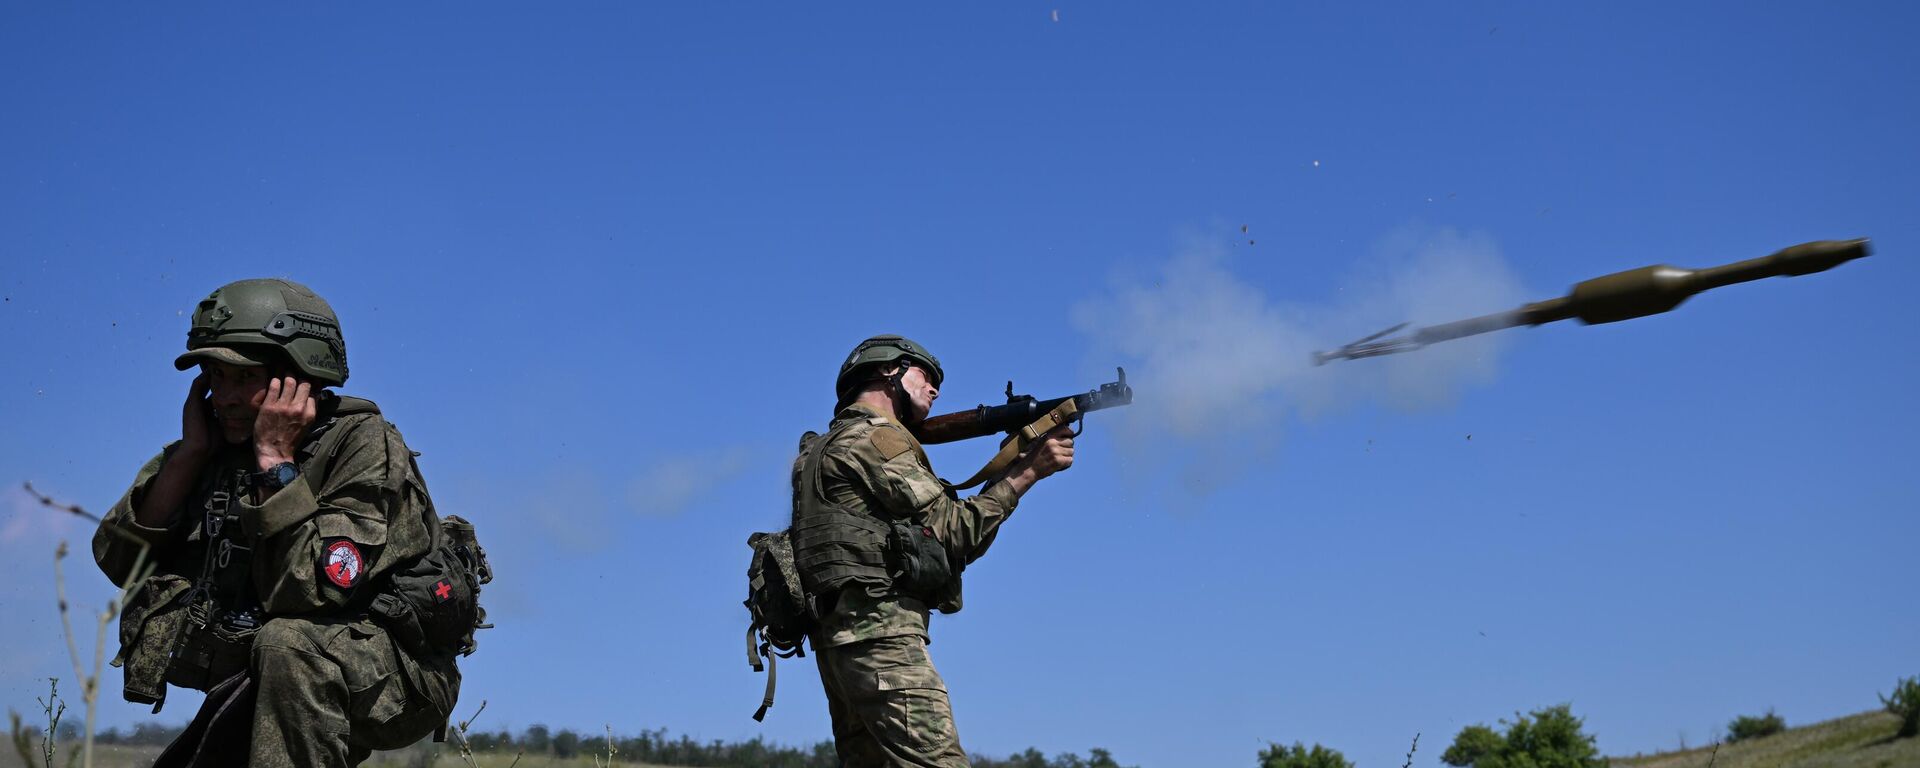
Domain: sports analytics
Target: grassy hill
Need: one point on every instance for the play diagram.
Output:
(1864, 740)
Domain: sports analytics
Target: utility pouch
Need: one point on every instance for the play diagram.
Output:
(918, 562)
(149, 627)
(217, 646)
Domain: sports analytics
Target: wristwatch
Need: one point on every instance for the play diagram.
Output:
(278, 475)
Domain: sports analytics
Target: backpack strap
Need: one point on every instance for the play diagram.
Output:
(773, 674)
(773, 657)
(753, 656)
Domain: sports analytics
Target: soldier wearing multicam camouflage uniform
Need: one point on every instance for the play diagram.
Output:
(879, 541)
(273, 523)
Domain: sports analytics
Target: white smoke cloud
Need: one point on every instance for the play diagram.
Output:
(667, 487)
(1218, 364)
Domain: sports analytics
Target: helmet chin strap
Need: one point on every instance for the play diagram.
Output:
(899, 394)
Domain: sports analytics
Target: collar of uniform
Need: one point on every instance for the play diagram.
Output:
(859, 410)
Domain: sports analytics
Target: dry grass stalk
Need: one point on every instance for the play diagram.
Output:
(54, 707)
(22, 738)
(611, 750)
(460, 736)
(90, 683)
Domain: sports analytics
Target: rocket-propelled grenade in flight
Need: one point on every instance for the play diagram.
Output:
(1612, 298)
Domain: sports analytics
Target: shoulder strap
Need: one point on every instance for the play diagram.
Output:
(810, 485)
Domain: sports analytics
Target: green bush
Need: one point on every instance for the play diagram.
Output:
(1905, 702)
(1548, 738)
(1299, 756)
(1748, 727)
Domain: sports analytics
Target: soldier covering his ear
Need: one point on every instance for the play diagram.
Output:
(274, 523)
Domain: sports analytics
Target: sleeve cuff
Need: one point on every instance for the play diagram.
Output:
(288, 507)
(1000, 492)
(125, 516)
(154, 537)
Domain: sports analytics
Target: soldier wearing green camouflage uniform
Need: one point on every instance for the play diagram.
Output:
(272, 523)
(867, 504)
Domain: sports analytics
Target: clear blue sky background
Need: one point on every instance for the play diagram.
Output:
(599, 262)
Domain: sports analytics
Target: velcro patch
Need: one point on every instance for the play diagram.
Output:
(342, 564)
(890, 442)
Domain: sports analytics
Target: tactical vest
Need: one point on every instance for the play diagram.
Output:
(834, 546)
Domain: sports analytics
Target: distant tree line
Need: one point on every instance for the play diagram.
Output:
(140, 735)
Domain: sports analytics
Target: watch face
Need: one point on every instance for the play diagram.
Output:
(282, 474)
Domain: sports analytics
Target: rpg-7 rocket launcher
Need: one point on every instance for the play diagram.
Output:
(1619, 296)
(1023, 419)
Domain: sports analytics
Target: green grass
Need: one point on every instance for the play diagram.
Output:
(450, 758)
(1865, 740)
(104, 756)
(115, 756)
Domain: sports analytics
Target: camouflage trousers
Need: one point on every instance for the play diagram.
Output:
(889, 705)
(333, 690)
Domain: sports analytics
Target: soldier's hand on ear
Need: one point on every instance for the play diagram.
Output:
(286, 408)
(196, 421)
(1053, 452)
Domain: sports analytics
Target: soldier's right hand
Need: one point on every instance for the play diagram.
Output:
(196, 420)
(1054, 452)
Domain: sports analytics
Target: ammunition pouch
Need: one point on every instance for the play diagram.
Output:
(918, 565)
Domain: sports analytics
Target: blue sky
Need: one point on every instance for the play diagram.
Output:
(599, 264)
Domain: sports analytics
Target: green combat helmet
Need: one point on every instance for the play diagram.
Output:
(881, 350)
(247, 322)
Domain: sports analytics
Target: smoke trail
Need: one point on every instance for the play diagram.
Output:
(669, 486)
(1218, 362)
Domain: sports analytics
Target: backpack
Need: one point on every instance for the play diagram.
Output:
(433, 604)
(782, 616)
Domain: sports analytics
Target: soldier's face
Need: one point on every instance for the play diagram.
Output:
(236, 392)
(920, 393)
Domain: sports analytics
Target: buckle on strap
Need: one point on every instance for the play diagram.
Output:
(389, 606)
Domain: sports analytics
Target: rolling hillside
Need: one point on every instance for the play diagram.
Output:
(1864, 740)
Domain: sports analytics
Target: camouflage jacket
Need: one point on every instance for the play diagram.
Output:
(318, 547)
(873, 465)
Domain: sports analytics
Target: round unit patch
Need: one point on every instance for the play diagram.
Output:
(343, 564)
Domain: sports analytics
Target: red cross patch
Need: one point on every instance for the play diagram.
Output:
(342, 564)
(443, 590)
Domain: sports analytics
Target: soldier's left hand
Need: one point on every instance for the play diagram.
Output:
(286, 409)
